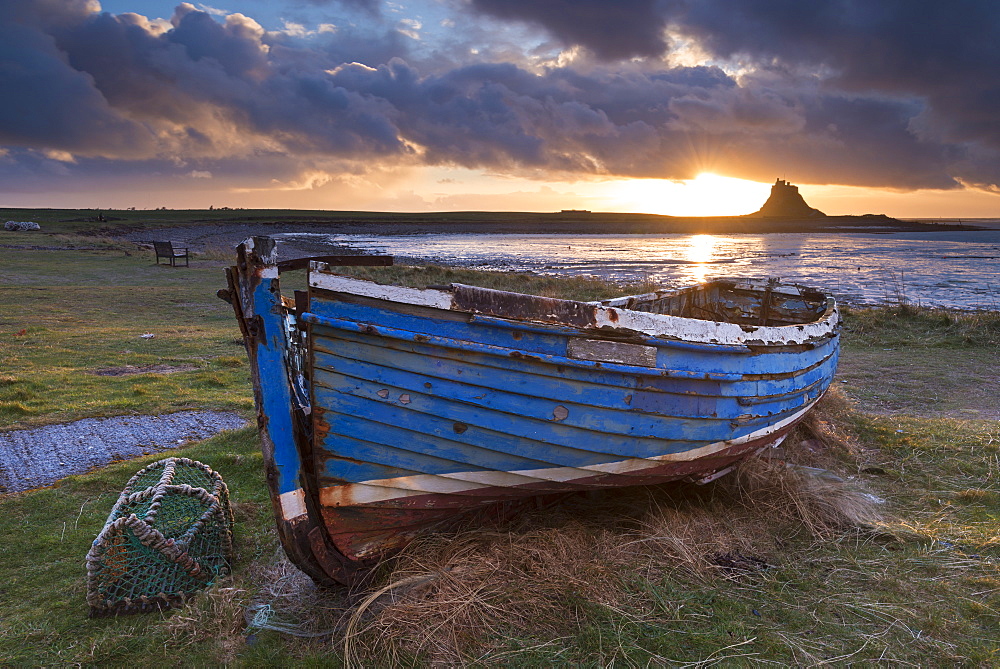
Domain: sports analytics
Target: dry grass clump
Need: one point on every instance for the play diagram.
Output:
(975, 495)
(214, 616)
(820, 501)
(465, 596)
(479, 588)
(89, 242)
(217, 251)
(801, 487)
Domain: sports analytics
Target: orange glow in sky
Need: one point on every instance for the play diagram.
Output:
(705, 195)
(456, 189)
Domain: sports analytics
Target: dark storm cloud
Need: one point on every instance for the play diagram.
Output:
(370, 6)
(668, 123)
(834, 92)
(28, 171)
(47, 104)
(944, 54)
(206, 89)
(351, 44)
(233, 46)
(947, 53)
(619, 29)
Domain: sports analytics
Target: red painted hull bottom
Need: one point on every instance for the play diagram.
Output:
(364, 533)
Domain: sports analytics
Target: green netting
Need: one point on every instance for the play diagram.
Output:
(168, 536)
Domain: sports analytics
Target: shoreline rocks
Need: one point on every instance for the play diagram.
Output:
(21, 226)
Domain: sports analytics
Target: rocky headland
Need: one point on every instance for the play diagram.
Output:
(785, 201)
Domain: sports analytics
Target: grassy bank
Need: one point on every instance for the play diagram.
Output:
(93, 224)
(923, 362)
(72, 326)
(779, 564)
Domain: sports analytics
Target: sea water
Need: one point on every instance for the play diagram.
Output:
(950, 268)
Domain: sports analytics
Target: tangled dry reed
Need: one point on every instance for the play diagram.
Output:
(452, 598)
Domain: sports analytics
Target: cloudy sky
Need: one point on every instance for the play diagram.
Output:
(631, 105)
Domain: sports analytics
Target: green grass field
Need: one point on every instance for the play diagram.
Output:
(776, 565)
(69, 320)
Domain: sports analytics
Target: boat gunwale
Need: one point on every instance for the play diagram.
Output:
(544, 358)
(599, 317)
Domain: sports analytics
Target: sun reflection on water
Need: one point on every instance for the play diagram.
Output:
(951, 269)
(700, 252)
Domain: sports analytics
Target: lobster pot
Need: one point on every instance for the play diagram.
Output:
(168, 536)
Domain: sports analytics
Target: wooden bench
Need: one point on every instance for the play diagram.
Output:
(172, 251)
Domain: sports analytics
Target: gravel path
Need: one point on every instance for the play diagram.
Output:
(224, 237)
(43, 455)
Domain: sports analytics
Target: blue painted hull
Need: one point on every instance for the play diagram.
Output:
(415, 406)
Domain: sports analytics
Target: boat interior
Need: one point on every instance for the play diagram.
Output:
(745, 302)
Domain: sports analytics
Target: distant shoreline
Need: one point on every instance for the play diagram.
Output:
(222, 229)
(229, 231)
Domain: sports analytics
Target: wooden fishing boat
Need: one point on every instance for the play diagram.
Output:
(385, 411)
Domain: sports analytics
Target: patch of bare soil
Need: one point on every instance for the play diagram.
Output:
(127, 370)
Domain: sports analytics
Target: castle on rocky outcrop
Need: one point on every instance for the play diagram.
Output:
(785, 202)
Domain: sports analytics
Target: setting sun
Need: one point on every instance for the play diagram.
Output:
(705, 195)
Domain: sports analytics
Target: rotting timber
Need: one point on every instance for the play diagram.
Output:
(274, 348)
(386, 411)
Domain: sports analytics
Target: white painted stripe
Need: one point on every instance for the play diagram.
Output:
(352, 494)
(712, 332)
(427, 297)
(381, 490)
(268, 268)
(293, 504)
(491, 479)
